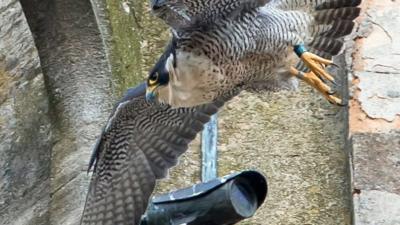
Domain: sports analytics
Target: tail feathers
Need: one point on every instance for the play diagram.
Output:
(328, 45)
(315, 5)
(333, 19)
(339, 29)
(330, 21)
(327, 15)
(334, 4)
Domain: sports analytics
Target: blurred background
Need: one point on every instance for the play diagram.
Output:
(64, 63)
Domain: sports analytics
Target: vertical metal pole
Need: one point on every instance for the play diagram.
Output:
(209, 150)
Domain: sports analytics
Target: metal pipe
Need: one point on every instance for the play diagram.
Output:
(223, 201)
(209, 150)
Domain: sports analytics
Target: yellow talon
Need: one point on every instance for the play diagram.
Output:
(317, 74)
(317, 65)
(313, 80)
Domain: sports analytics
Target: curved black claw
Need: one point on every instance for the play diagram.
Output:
(331, 92)
(333, 82)
(343, 103)
(335, 65)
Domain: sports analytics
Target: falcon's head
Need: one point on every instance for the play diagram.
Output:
(158, 79)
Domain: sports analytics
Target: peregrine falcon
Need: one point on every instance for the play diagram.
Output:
(218, 48)
(225, 44)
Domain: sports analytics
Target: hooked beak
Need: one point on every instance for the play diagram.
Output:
(150, 93)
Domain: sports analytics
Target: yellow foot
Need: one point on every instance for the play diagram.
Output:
(317, 65)
(313, 78)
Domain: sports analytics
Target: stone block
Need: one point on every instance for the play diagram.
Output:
(379, 79)
(376, 162)
(376, 208)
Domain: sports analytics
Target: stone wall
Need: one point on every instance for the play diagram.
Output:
(24, 124)
(78, 82)
(375, 115)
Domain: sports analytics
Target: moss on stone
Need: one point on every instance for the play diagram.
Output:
(5, 81)
(138, 38)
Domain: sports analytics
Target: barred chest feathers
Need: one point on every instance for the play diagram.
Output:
(195, 79)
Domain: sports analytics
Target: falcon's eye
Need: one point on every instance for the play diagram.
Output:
(153, 78)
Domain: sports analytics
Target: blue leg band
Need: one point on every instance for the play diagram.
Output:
(299, 49)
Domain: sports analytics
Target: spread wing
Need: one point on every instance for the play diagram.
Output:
(196, 14)
(140, 142)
